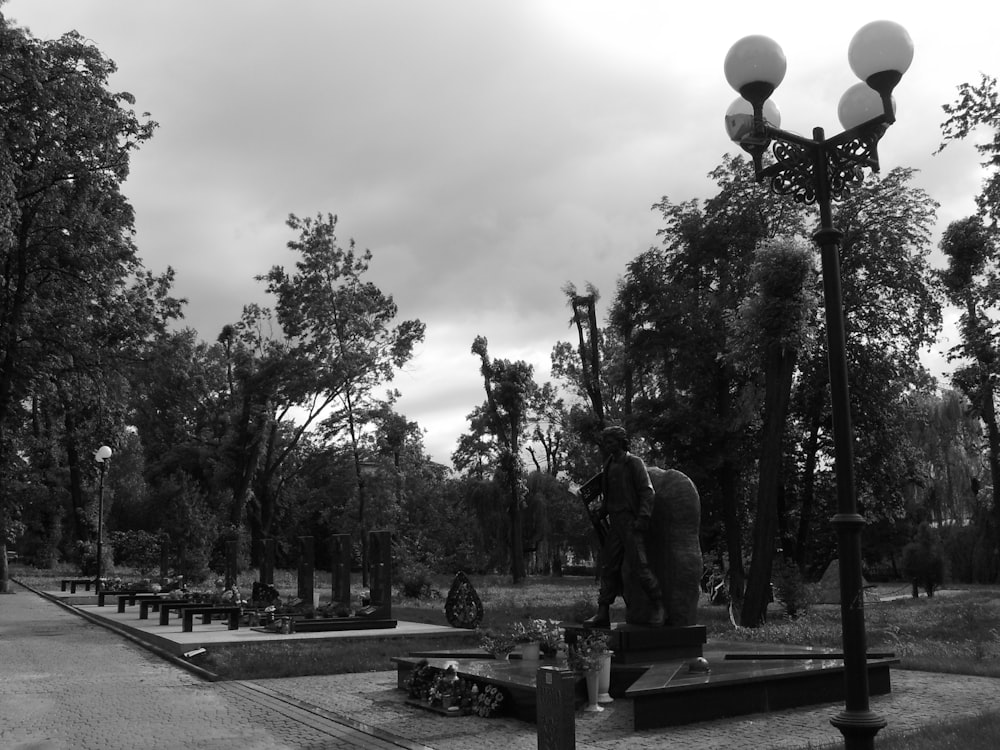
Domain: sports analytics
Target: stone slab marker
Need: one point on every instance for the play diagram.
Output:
(555, 705)
(341, 566)
(267, 562)
(307, 567)
(232, 552)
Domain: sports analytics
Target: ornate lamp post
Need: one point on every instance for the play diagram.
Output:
(102, 455)
(820, 170)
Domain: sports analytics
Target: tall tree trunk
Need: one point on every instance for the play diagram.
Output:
(777, 388)
(585, 309)
(808, 499)
(734, 545)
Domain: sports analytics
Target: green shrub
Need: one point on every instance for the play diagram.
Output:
(580, 610)
(923, 560)
(136, 549)
(415, 581)
(790, 587)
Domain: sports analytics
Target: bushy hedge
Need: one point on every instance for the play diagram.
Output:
(136, 549)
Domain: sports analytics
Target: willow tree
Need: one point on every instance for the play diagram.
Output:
(972, 282)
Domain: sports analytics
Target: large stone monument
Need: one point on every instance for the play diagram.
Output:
(674, 551)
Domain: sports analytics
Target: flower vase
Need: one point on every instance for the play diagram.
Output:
(604, 680)
(530, 651)
(592, 676)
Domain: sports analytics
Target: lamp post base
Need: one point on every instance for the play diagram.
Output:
(859, 728)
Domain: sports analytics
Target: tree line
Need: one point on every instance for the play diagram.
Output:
(710, 351)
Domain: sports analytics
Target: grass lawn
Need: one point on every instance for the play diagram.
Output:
(957, 631)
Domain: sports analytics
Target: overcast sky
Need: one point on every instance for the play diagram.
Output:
(485, 152)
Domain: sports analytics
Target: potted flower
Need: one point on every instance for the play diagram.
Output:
(527, 636)
(550, 636)
(591, 654)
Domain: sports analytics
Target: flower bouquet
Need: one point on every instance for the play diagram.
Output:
(489, 701)
(549, 634)
(588, 652)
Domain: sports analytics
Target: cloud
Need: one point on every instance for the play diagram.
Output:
(486, 153)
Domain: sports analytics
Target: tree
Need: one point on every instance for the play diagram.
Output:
(975, 106)
(776, 320)
(340, 332)
(673, 313)
(892, 312)
(65, 227)
(971, 281)
(508, 388)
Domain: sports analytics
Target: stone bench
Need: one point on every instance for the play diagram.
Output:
(74, 582)
(206, 611)
(131, 597)
(148, 604)
(173, 604)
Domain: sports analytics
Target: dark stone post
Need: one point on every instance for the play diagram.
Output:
(232, 550)
(555, 704)
(267, 563)
(341, 559)
(307, 562)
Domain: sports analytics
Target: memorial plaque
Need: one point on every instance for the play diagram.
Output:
(341, 567)
(267, 562)
(379, 575)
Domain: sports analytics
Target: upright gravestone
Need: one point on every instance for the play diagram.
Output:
(164, 560)
(232, 552)
(341, 566)
(307, 566)
(267, 562)
(380, 575)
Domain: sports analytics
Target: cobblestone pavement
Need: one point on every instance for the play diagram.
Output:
(68, 684)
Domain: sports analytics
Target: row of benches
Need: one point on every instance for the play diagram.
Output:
(186, 608)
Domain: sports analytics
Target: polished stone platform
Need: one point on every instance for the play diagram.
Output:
(741, 680)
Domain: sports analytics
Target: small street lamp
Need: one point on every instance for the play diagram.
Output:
(102, 455)
(820, 170)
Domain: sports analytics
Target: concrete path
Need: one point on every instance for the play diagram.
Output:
(69, 684)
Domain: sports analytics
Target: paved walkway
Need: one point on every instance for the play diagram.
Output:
(69, 684)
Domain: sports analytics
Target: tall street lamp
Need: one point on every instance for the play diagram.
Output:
(820, 170)
(102, 455)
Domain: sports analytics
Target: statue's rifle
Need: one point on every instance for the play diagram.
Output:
(592, 490)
